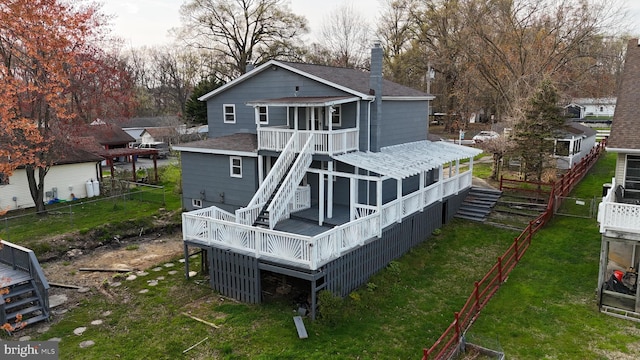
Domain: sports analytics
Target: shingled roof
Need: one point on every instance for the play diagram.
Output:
(239, 142)
(626, 119)
(107, 134)
(354, 79)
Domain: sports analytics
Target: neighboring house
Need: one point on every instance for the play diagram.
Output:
(66, 180)
(619, 212)
(318, 173)
(135, 126)
(573, 142)
(592, 107)
(168, 135)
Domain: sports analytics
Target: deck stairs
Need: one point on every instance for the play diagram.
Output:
(478, 204)
(24, 298)
(263, 217)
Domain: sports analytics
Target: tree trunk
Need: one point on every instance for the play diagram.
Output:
(36, 188)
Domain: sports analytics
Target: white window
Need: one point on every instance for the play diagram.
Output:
(229, 113)
(263, 114)
(235, 166)
(336, 115)
(196, 203)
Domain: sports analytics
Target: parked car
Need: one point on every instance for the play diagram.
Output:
(484, 136)
(163, 148)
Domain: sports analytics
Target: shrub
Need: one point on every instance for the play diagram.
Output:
(330, 307)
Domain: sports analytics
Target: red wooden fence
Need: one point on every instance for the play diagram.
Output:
(447, 345)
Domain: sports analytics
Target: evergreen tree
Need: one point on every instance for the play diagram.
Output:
(196, 110)
(535, 133)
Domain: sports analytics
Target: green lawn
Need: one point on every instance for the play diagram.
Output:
(135, 210)
(546, 309)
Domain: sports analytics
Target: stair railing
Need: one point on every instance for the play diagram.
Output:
(279, 207)
(21, 258)
(248, 214)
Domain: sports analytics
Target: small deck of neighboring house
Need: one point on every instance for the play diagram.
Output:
(26, 300)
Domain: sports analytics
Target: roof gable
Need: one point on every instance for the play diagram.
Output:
(351, 81)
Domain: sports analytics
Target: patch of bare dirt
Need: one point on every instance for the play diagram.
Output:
(137, 256)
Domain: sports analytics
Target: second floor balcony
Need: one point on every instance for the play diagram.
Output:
(619, 214)
(333, 121)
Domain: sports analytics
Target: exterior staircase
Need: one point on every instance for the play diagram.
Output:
(24, 298)
(478, 204)
(263, 217)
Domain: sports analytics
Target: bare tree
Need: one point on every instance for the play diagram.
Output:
(346, 36)
(518, 42)
(396, 30)
(498, 147)
(241, 31)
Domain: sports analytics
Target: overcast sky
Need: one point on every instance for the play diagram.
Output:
(146, 22)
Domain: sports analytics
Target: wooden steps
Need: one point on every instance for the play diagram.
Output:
(478, 204)
(23, 300)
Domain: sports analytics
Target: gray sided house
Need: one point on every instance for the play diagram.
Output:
(619, 211)
(316, 173)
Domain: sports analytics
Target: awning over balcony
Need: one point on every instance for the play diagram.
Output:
(405, 160)
(304, 101)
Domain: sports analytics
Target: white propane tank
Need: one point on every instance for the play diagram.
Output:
(96, 188)
(89, 186)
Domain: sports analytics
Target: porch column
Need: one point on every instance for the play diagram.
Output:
(379, 203)
(328, 116)
(260, 170)
(320, 198)
(421, 189)
(633, 261)
(457, 166)
(256, 116)
(352, 198)
(295, 118)
(440, 181)
(604, 259)
(399, 198)
(450, 168)
(330, 190)
(288, 118)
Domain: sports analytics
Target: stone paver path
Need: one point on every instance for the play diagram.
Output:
(57, 300)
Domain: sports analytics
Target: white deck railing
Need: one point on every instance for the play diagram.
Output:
(301, 200)
(249, 213)
(618, 216)
(313, 252)
(326, 142)
(279, 207)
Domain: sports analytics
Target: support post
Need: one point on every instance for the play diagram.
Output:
(330, 189)
(320, 198)
(352, 198)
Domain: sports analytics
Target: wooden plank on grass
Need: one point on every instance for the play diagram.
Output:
(106, 270)
(302, 331)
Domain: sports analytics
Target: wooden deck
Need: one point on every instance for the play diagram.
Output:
(10, 277)
(305, 222)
